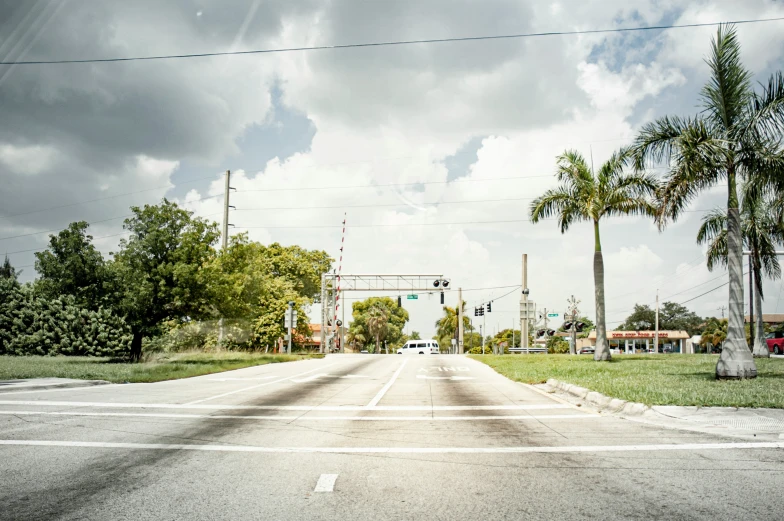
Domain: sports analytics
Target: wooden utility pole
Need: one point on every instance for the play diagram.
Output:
(656, 334)
(225, 237)
(524, 318)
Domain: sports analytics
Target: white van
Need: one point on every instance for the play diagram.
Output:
(419, 347)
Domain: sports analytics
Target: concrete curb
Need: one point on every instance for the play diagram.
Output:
(32, 387)
(598, 400)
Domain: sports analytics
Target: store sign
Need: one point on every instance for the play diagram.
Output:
(637, 334)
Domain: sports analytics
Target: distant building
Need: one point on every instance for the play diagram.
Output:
(642, 341)
(769, 318)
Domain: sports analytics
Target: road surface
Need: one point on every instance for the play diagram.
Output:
(362, 437)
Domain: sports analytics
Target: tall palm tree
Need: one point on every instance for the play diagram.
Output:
(736, 136)
(761, 231)
(446, 326)
(587, 196)
(377, 320)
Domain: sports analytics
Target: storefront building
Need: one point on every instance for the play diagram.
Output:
(630, 342)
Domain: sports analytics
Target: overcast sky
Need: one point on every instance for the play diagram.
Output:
(464, 132)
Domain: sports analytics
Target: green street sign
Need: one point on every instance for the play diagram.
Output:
(552, 315)
(412, 297)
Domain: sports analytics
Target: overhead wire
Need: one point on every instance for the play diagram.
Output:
(387, 43)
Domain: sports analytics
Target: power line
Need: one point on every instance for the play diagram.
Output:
(109, 197)
(386, 43)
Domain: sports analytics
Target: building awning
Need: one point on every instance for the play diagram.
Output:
(641, 335)
(768, 318)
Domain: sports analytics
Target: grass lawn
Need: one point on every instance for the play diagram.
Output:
(158, 367)
(651, 379)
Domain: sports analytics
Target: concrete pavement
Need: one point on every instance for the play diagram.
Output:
(363, 437)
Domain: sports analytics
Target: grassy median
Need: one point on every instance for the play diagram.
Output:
(157, 368)
(651, 379)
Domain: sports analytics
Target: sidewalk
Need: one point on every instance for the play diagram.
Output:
(758, 424)
(41, 384)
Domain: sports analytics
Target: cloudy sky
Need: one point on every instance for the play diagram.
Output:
(434, 151)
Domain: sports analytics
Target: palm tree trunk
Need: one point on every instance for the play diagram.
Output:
(760, 345)
(378, 346)
(735, 361)
(602, 352)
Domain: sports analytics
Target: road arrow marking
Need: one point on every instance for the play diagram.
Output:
(445, 377)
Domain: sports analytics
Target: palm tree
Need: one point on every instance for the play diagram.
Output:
(377, 319)
(446, 326)
(586, 196)
(715, 333)
(736, 136)
(761, 231)
(355, 336)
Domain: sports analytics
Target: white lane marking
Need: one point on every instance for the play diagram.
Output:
(257, 386)
(386, 387)
(399, 450)
(347, 408)
(252, 379)
(326, 483)
(300, 417)
(445, 377)
(310, 378)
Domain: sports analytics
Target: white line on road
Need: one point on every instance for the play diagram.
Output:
(326, 483)
(300, 417)
(345, 408)
(384, 389)
(257, 386)
(251, 379)
(399, 450)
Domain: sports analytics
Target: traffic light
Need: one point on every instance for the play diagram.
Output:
(550, 332)
(482, 310)
(489, 307)
(399, 303)
(580, 326)
(567, 326)
(476, 312)
(442, 298)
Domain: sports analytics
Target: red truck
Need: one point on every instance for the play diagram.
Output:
(775, 342)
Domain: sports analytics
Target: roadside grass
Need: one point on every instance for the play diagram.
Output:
(651, 379)
(157, 367)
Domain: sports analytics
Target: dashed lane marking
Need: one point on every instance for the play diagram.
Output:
(326, 483)
(399, 450)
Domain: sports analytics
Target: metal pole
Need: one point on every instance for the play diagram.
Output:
(343, 327)
(524, 326)
(656, 334)
(323, 312)
(751, 300)
(460, 321)
(513, 333)
(291, 324)
(574, 327)
(224, 237)
(483, 338)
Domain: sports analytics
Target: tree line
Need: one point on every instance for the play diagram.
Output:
(166, 287)
(736, 138)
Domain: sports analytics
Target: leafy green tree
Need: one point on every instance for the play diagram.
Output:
(714, 333)
(396, 320)
(158, 268)
(446, 326)
(737, 136)
(415, 336)
(672, 317)
(557, 345)
(586, 196)
(762, 232)
(7, 271)
(71, 265)
(377, 319)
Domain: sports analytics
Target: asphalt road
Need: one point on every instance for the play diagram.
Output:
(363, 437)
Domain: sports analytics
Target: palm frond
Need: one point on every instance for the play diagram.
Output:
(573, 169)
(765, 111)
(725, 96)
(717, 251)
(559, 201)
(657, 141)
(714, 223)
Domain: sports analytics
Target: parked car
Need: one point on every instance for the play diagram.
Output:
(587, 350)
(775, 342)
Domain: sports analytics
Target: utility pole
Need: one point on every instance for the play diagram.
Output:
(722, 309)
(483, 338)
(460, 321)
(656, 334)
(513, 333)
(751, 301)
(291, 323)
(225, 237)
(524, 319)
(342, 327)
